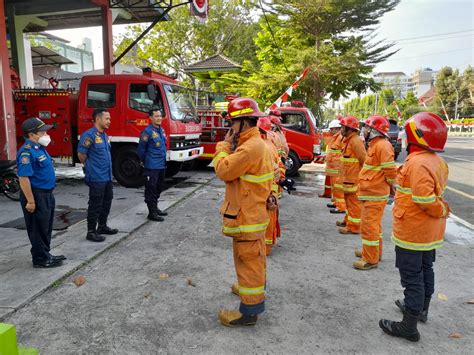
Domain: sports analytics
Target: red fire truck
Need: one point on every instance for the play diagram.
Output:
(299, 125)
(128, 98)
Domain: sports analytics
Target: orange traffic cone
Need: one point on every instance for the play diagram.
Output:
(327, 188)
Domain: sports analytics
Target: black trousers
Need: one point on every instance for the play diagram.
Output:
(100, 201)
(154, 182)
(39, 224)
(417, 276)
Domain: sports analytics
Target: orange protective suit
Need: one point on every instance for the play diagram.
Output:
(419, 213)
(377, 175)
(273, 229)
(334, 170)
(353, 157)
(248, 174)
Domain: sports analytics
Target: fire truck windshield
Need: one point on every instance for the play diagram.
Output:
(313, 119)
(180, 101)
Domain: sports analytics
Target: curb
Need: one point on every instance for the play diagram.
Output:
(99, 253)
(461, 221)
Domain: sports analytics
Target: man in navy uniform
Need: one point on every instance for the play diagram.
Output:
(94, 152)
(37, 182)
(152, 153)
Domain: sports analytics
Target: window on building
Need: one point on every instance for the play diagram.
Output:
(139, 100)
(295, 122)
(101, 95)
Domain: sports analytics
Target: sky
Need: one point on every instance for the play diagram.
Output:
(429, 34)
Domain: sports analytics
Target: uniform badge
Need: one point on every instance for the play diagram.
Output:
(27, 146)
(154, 135)
(158, 144)
(145, 137)
(25, 160)
(87, 142)
(98, 140)
(42, 157)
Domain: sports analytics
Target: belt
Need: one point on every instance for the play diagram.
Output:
(45, 191)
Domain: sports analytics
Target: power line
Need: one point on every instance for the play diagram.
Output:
(437, 39)
(273, 36)
(428, 54)
(434, 35)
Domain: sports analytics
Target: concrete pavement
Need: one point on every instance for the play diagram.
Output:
(159, 290)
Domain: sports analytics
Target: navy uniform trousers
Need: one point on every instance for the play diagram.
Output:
(101, 195)
(39, 224)
(417, 276)
(154, 182)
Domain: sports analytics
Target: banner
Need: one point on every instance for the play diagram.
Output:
(284, 97)
(200, 9)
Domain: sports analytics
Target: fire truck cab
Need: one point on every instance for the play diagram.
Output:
(128, 98)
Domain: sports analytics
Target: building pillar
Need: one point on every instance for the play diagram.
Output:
(7, 114)
(107, 40)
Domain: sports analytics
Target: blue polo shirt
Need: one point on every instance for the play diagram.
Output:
(34, 162)
(152, 148)
(96, 146)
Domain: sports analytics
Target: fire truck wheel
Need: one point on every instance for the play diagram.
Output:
(173, 167)
(126, 167)
(292, 164)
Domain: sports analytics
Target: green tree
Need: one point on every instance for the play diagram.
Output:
(174, 44)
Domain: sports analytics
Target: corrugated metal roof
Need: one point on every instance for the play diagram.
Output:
(216, 62)
(44, 56)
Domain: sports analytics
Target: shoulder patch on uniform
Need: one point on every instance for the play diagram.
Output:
(87, 142)
(25, 159)
(145, 137)
(25, 153)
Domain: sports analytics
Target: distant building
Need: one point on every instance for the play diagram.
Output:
(83, 58)
(422, 81)
(398, 81)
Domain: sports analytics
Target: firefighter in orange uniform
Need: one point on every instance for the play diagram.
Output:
(243, 162)
(419, 220)
(265, 126)
(282, 148)
(333, 167)
(376, 178)
(353, 157)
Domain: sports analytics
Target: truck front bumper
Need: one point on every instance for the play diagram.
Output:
(184, 154)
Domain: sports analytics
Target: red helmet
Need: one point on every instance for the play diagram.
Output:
(244, 107)
(350, 121)
(264, 123)
(275, 113)
(275, 120)
(427, 130)
(379, 123)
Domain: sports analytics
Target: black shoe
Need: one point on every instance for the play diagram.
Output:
(58, 257)
(47, 264)
(423, 317)
(94, 237)
(331, 205)
(335, 210)
(404, 329)
(161, 213)
(106, 230)
(153, 216)
(245, 321)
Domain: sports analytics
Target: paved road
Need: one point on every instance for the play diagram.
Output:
(459, 155)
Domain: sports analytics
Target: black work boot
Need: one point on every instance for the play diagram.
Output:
(160, 212)
(423, 317)
(153, 213)
(94, 237)
(104, 229)
(404, 329)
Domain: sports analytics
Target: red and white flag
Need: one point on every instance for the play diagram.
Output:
(284, 97)
(399, 114)
(200, 9)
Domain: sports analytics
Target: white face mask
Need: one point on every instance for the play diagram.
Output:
(44, 140)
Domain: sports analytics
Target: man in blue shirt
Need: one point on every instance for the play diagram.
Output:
(37, 182)
(94, 152)
(152, 153)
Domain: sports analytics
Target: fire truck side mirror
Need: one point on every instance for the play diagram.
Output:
(151, 91)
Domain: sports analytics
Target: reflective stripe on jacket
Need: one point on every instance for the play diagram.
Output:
(248, 174)
(419, 213)
(353, 157)
(378, 172)
(333, 154)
